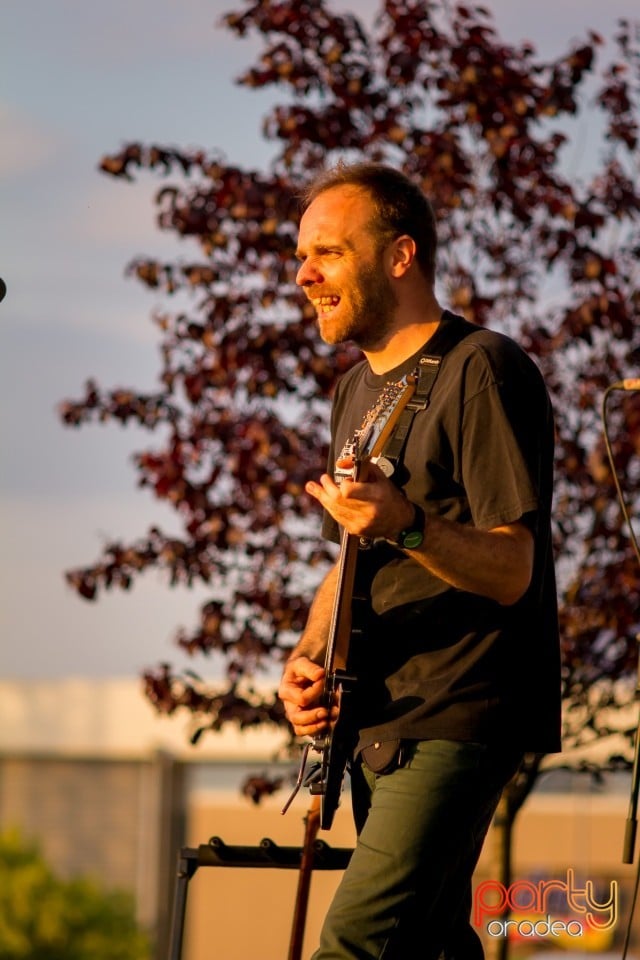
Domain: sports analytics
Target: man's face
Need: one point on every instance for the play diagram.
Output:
(343, 269)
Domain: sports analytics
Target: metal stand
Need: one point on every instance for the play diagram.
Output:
(632, 816)
(217, 853)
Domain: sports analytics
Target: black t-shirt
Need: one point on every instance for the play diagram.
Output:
(439, 662)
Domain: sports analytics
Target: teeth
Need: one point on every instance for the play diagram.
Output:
(324, 304)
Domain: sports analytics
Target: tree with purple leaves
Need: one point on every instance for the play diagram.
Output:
(526, 246)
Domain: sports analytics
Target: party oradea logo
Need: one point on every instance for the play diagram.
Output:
(562, 911)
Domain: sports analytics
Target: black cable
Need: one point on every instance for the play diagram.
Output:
(634, 542)
(623, 506)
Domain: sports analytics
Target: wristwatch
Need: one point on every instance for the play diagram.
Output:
(412, 536)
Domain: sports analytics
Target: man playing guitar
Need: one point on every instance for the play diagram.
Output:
(458, 580)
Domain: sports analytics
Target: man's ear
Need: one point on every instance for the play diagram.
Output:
(402, 255)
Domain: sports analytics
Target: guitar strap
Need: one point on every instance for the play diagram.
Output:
(428, 369)
(426, 373)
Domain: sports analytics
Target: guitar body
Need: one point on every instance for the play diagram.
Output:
(336, 747)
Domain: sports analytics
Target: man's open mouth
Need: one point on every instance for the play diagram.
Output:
(325, 304)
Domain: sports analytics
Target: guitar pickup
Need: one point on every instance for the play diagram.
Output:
(343, 679)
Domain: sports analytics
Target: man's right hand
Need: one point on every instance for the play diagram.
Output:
(300, 690)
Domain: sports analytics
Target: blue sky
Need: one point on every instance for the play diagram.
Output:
(78, 79)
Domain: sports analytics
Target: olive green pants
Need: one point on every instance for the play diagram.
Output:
(406, 894)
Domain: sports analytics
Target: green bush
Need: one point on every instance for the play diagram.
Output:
(43, 917)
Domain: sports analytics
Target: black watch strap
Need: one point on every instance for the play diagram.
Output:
(412, 536)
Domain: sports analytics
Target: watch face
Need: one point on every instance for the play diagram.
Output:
(412, 540)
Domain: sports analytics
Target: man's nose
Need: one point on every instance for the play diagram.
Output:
(308, 274)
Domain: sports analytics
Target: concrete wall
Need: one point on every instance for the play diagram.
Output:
(240, 913)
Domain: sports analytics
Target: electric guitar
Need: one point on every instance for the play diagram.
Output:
(335, 744)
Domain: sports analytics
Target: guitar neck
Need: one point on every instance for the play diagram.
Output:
(369, 442)
(340, 626)
(335, 743)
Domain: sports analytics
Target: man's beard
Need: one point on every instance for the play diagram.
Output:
(371, 312)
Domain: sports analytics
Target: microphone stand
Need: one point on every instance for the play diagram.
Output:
(632, 819)
(632, 822)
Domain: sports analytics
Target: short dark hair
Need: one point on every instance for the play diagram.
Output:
(401, 206)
